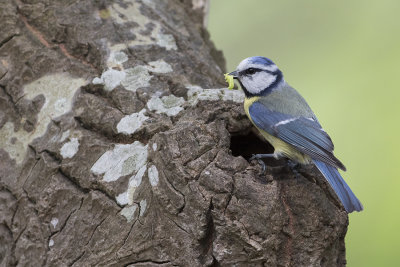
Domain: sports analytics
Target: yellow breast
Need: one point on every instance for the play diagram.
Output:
(281, 147)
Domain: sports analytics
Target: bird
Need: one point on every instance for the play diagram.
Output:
(287, 122)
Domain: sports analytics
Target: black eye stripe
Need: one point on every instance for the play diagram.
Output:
(251, 71)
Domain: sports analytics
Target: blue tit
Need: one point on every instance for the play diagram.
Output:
(286, 121)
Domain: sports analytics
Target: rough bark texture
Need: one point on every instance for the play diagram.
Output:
(113, 153)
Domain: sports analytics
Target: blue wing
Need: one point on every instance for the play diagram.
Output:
(343, 191)
(305, 134)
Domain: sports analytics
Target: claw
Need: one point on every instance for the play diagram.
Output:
(293, 166)
(259, 158)
(264, 167)
(253, 157)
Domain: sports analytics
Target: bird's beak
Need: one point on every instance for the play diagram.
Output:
(234, 74)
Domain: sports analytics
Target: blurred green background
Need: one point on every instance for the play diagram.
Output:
(344, 58)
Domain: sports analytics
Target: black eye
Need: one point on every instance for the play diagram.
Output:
(251, 71)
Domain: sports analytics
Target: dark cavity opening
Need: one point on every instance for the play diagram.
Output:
(247, 144)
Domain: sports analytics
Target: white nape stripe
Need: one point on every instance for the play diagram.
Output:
(270, 68)
(285, 122)
(246, 64)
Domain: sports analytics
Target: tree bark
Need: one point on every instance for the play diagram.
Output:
(113, 152)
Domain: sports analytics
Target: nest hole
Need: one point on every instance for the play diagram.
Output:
(247, 143)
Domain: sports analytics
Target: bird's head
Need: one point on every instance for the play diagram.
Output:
(257, 76)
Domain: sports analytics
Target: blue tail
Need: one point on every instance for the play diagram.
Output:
(342, 190)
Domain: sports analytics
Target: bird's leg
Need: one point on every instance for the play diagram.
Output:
(293, 166)
(259, 158)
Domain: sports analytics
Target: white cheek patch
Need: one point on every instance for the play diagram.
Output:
(258, 82)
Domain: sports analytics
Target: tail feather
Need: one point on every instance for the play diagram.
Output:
(343, 191)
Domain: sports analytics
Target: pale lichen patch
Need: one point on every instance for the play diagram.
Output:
(154, 146)
(61, 104)
(116, 59)
(122, 199)
(136, 77)
(54, 222)
(64, 136)
(143, 206)
(110, 79)
(129, 212)
(232, 95)
(131, 13)
(134, 183)
(122, 160)
(69, 149)
(51, 242)
(153, 175)
(15, 148)
(131, 123)
(118, 47)
(196, 94)
(150, 3)
(167, 41)
(159, 66)
(58, 90)
(170, 105)
(131, 79)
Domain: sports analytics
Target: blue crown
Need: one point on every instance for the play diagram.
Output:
(261, 61)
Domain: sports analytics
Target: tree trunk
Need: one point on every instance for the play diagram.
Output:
(113, 153)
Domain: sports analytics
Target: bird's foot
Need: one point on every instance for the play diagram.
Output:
(259, 158)
(294, 167)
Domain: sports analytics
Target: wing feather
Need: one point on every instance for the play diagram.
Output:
(305, 134)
